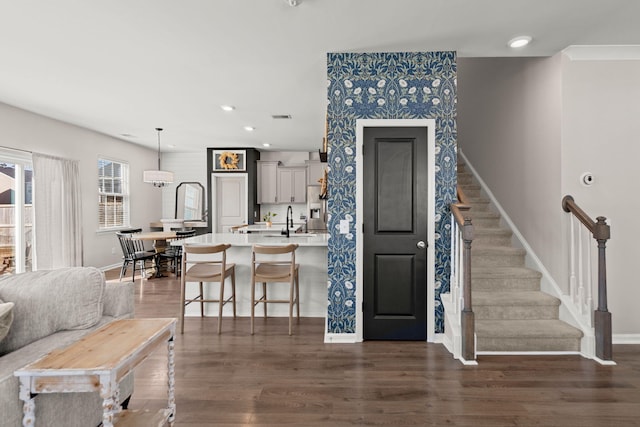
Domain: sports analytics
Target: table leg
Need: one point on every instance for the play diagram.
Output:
(109, 394)
(160, 246)
(29, 406)
(158, 272)
(171, 380)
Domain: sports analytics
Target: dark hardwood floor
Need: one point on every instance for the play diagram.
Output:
(273, 379)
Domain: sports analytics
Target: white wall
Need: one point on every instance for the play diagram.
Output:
(601, 134)
(27, 131)
(509, 116)
(185, 167)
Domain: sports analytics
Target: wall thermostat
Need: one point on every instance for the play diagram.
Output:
(587, 179)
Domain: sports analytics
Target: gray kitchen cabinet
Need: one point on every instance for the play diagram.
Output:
(267, 181)
(292, 185)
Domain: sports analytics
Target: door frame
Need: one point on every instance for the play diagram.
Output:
(214, 199)
(429, 124)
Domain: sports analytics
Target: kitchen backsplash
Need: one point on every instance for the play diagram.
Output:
(281, 210)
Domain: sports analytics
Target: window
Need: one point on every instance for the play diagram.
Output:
(113, 194)
(16, 211)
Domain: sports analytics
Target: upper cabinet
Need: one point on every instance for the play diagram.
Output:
(292, 185)
(283, 176)
(315, 171)
(281, 184)
(267, 181)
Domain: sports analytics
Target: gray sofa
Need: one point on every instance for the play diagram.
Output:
(53, 309)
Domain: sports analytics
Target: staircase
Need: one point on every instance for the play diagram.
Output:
(512, 313)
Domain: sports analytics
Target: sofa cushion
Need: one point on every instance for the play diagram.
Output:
(6, 318)
(49, 301)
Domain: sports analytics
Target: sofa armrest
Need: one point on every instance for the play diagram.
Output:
(118, 299)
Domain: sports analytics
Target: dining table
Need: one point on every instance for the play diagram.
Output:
(160, 239)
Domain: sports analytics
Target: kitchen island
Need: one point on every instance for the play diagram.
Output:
(311, 255)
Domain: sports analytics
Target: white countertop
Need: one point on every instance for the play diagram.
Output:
(240, 239)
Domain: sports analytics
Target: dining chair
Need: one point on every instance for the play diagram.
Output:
(138, 245)
(173, 254)
(131, 255)
(206, 264)
(238, 228)
(267, 267)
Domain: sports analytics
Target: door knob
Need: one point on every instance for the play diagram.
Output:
(421, 245)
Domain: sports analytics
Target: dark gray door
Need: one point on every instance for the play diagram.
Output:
(395, 232)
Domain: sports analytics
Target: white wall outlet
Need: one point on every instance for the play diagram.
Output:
(113, 251)
(344, 226)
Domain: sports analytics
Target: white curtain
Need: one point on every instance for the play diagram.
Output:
(57, 209)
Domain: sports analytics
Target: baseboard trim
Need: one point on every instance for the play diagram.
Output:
(605, 362)
(625, 338)
(110, 267)
(440, 338)
(331, 338)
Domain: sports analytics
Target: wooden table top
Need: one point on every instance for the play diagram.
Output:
(155, 235)
(103, 349)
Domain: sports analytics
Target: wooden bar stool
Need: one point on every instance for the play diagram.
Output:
(201, 264)
(268, 270)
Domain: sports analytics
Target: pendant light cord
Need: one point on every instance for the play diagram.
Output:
(159, 130)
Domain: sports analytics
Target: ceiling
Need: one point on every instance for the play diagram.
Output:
(125, 67)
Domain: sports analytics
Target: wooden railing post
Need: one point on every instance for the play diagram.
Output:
(467, 319)
(602, 316)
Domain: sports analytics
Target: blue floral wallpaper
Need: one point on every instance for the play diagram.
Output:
(403, 85)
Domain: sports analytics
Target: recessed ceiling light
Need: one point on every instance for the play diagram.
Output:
(171, 146)
(520, 41)
(249, 128)
(228, 107)
(127, 135)
(266, 144)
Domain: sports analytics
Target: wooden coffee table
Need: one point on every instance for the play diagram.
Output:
(98, 362)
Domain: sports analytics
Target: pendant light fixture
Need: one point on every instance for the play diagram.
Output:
(158, 178)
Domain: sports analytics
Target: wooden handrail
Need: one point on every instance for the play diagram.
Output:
(599, 228)
(467, 320)
(462, 197)
(601, 232)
